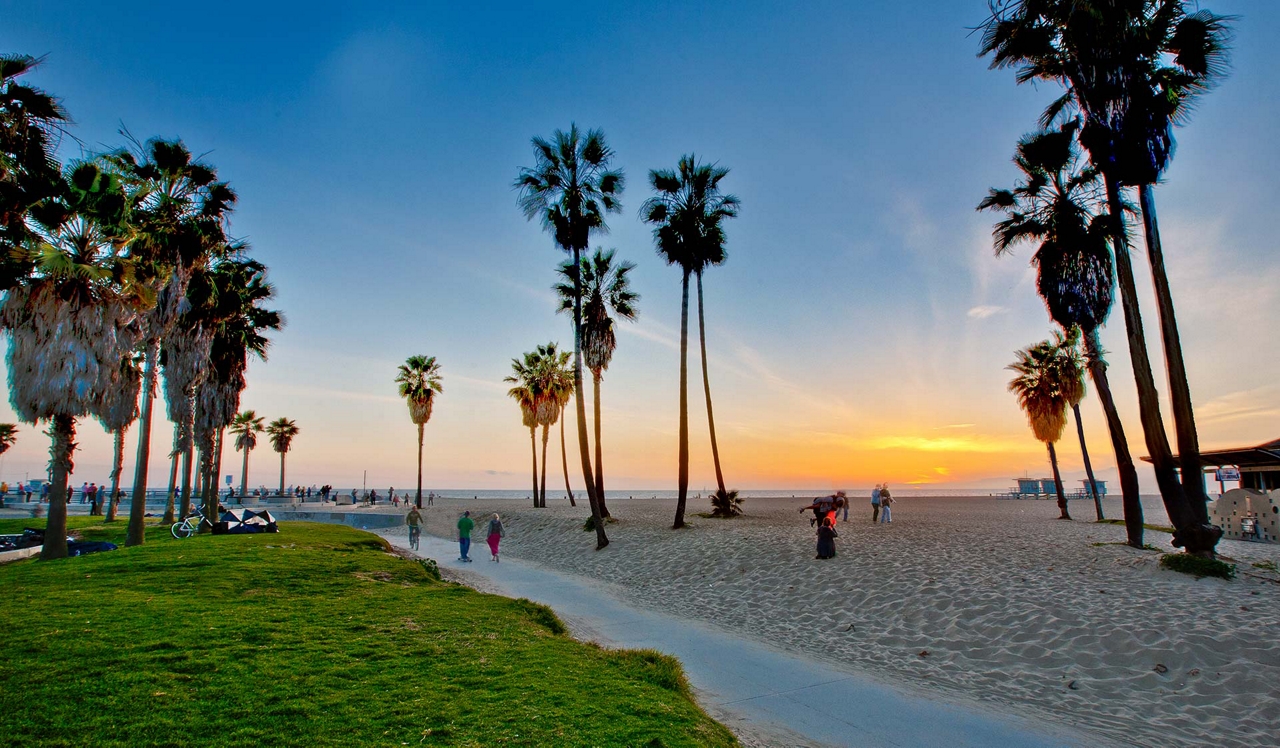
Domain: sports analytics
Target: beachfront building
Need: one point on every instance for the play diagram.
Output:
(1252, 510)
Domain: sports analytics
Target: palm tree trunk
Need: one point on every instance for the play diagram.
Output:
(1189, 533)
(706, 388)
(186, 481)
(1057, 483)
(604, 507)
(173, 483)
(1119, 442)
(217, 469)
(55, 529)
(564, 461)
(533, 450)
(546, 432)
(136, 534)
(1088, 466)
(244, 475)
(117, 467)
(683, 475)
(282, 473)
(418, 498)
(580, 407)
(1184, 421)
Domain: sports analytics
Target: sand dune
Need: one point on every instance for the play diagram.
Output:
(1010, 605)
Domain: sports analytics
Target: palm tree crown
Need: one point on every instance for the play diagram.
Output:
(246, 426)
(606, 288)
(8, 436)
(419, 381)
(571, 186)
(1039, 389)
(688, 213)
(282, 431)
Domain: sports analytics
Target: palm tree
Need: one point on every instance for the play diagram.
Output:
(246, 426)
(71, 321)
(569, 189)
(1039, 392)
(688, 212)
(561, 390)
(532, 393)
(30, 120)
(239, 321)
(282, 431)
(119, 412)
(606, 289)
(8, 436)
(1072, 366)
(419, 381)
(1056, 202)
(1114, 59)
(181, 216)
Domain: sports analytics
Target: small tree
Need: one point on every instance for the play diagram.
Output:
(282, 431)
(1039, 391)
(246, 426)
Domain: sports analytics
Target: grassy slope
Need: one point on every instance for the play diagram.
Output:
(313, 636)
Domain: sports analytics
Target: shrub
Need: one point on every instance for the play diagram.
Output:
(429, 566)
(542, 615)
(726, 504)
(1199, 567)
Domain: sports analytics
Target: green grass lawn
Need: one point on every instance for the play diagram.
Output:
(313, 636)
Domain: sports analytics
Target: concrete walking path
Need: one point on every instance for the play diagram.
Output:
(740, 680)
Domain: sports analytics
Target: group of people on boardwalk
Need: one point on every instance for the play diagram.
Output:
(494, 535)
(826, 508)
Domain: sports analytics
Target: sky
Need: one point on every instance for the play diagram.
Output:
(859, 330)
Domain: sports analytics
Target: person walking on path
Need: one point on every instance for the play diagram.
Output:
(875, 504)
(495, 535)
(414, 520)
(886, 506)
(464, 535)
(827, 538)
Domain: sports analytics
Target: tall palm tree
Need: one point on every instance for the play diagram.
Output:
(282, 430)
(607, 291)
(180, 218)
(1039, 392)
(1057, 203)
(1130, 68)
(72, 320)
(531, 393)
(239, 320)
(561, 383)
(30, 121)
(419, 381)
(119, 412)
(569, 189)
(246, 426)
(688, 214)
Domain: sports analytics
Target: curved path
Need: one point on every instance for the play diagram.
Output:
(752, 688)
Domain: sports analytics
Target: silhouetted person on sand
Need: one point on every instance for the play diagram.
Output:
(827, 538)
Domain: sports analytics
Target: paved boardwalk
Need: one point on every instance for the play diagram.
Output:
(742, 681)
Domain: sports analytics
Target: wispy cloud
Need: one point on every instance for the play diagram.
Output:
(985, 310)
(1259, 402)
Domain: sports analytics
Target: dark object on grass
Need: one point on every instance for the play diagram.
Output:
(245, 521)
(30, 538)
(726, 504)
(83, 547)
(1200, 567)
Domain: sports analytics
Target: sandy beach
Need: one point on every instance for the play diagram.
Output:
(973, 598)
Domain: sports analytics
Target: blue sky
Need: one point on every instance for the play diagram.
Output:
(859, 329)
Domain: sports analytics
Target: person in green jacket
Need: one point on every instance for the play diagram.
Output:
(464, 535)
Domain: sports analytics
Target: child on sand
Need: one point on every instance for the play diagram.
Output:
(827, 538)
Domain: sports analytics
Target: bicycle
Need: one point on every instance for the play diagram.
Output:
(415, 534)
(190, 525)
